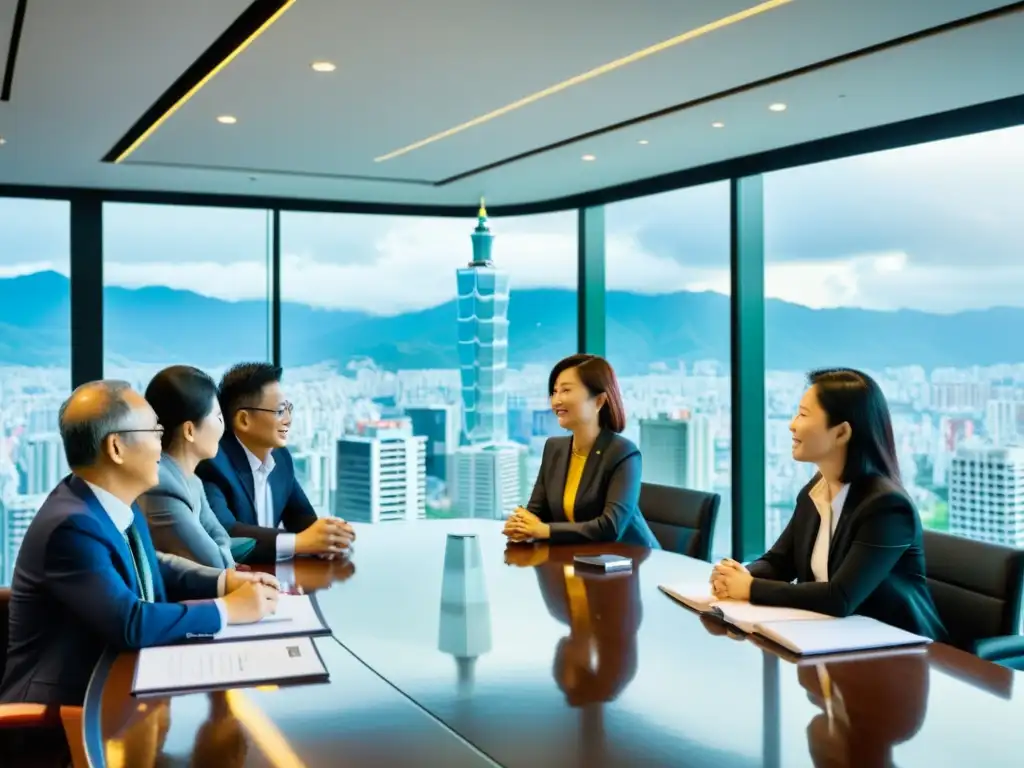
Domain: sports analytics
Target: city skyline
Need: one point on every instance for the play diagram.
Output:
(911, 254)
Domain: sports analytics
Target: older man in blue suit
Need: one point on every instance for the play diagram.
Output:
(87, 575)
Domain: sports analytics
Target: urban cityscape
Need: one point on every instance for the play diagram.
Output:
(374, 445)
(417, 351)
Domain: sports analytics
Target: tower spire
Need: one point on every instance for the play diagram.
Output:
(482, 239)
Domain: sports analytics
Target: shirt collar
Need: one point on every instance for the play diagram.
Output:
(120, 514)
(255, 464)
(819, 495)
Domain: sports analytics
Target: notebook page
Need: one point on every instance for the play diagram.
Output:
(695, 595)
(852, 633)
(744, 616)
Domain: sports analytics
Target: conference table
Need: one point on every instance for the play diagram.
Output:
(450, 647)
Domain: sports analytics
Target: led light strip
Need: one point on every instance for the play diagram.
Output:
(207, 78)
(591, 74)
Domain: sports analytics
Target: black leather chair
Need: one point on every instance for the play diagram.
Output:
(683, 521)
(977, 590)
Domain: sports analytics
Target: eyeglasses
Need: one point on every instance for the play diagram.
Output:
(280, 411)
(153, 430)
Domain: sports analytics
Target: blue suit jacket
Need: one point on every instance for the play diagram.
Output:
(227, 478)
(74, 592)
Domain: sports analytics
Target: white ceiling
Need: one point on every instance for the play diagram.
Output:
(408, 69)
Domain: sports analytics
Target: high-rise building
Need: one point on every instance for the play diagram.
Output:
(488, 480)
(18, 513)
(382, 473)
(679, 451)
(488, 468)
(986, 494)
(1002, 418)
(439, 424)
(43, 462)
(483, 295)
(313, 474)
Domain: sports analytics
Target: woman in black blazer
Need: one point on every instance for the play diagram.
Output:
(854, 543)
(588, 487)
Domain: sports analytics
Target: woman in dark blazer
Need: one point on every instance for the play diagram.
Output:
(854, 543)
(588, 487)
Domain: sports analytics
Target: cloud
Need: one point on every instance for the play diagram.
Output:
(30, 268)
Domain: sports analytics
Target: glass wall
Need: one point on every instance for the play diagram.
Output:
(386, 324)
(907, 264)
(667, 336)
(184, 285)
(35, 360)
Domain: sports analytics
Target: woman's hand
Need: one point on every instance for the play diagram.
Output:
(731, 581)
(523, 525)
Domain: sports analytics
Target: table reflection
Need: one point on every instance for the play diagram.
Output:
(598, 658)
(864, 716)
(464, 628)
(220, 740)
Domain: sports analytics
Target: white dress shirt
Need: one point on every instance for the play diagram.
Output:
(829, 513)
(122, 516)
(263, 496)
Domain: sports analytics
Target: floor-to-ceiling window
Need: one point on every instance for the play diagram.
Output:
(35, 360)
(374, 312)
(907, 265)
(184, 285)
(667, 335)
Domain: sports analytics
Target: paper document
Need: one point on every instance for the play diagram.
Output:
(175, 668)
(852, 633)
(741, 614)
(296, 615)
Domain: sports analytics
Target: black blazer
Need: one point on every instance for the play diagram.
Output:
(227, 480)
(875, 562)
(607, 500)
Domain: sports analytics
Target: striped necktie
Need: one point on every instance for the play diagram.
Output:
(143, 573)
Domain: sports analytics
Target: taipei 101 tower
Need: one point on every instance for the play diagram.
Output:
(483, 341)
(488, 466)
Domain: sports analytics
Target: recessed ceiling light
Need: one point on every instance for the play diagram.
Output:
(2, 141)
(644, 142)
(718, 124)
(323, 66)
(588, 158)
(777, 107)
(227, 119)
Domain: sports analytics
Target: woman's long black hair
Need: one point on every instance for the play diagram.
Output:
(849, 395)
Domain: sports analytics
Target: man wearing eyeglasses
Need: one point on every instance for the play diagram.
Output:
(251, 484)
(87, 575)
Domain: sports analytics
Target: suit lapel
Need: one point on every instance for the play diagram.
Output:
(79, 488)
(277, 482)
(592, 467)
(860, 492)
(236, 455)
(159, 591)
(560, 470)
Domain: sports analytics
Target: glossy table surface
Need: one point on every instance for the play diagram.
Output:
(455, 651)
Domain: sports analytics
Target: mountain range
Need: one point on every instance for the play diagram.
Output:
(165, 325)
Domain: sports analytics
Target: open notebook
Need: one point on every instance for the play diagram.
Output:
(741, 614)
(804, 633)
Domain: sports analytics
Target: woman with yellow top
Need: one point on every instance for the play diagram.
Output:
(588, 486)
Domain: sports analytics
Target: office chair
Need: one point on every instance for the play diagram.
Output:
(683, 521)
(21, 716)
(977, 589)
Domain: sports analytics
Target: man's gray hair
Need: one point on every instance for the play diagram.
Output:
(83, 437)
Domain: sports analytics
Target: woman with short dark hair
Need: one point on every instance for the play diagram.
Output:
(180, 518)
(854, 544)
(588, 487)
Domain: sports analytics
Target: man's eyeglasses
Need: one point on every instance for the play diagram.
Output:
(159, 431)
(280, 411)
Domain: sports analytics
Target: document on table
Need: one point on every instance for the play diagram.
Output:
(739, 613)
(852, 633)
(296, 615)
(176, 668)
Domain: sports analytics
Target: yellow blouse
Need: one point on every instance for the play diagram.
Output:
(572, 484)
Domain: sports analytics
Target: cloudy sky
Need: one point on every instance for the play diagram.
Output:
(938, 227)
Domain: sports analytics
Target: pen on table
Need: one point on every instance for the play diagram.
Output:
(826, 691)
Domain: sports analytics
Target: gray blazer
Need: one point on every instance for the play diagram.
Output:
(181, 521)
(607, 501)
